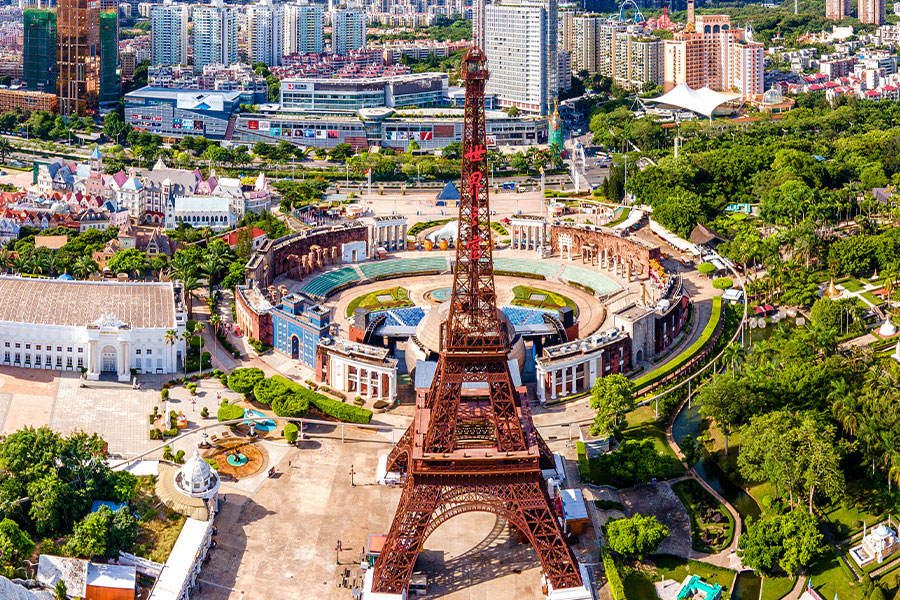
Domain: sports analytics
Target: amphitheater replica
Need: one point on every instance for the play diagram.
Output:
(580, 302)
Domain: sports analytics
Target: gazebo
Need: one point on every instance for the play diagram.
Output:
(192, 490)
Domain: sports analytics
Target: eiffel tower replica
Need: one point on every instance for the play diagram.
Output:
(472, 450)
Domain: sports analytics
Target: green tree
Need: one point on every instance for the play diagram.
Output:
(60, 590)
(826, 313)
(728, 402)
(130, 260)
(103, 533)
(680, 212)
(15, 545)
(638, 536)
(611, 396)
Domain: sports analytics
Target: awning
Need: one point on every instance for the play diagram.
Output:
(703, 101)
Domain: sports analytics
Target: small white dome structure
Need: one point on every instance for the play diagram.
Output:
(197, 479)
(773, 95)
(888, 329)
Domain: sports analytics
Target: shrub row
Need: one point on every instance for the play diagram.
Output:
(612, 574)
(671, 366)
(325, 405)
(243, 380)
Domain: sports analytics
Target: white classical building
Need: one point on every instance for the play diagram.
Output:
(101, 327)
(201, 211)
(358, 369)
(878, 544)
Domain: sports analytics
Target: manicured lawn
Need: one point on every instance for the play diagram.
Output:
(639, 584)
(525, 295)
(499, 228)
(642, 425)
(872, 298)
(846, 520)
(623, 214)
(776, 588)
(861, 503)
(851, 285)
(830, 577)
(395, 297)
(677, 568)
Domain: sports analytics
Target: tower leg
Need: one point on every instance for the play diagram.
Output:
(398, 556)
(398, 459)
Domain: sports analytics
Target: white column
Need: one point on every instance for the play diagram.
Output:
(392, 387)
(593, 372)
(572, 380)
(541, 382)
(553, 384)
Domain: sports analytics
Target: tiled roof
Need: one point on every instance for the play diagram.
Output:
(77, 303)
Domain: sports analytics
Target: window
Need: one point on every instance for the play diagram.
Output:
(149, 350)
(38, 347)
(18, 345)
(6, 357)
(6, 344)
(138, 351)
(69, 362)
(37, 360)
(28, 346)
(79, 350)
(18, 358)
(59, 361)
(59, 348)
(69, 349)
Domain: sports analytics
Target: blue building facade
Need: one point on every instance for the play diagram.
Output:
(297, 327)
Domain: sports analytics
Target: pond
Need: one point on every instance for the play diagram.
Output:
(688, 422)
(747, 586)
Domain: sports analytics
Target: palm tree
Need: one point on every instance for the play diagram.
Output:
(189, 285)
(845, 406)
(186, 336)
(198, 329)
(6, 259)
(5, 149)
(171, 337)
(733, 353)
(84, 267)
(216, 322)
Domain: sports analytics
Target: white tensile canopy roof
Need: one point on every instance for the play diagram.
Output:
(703, 101)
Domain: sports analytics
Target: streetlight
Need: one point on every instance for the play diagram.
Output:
(337, 550)
(352, 473)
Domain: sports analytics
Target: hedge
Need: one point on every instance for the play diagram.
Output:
(722, 283)
(612, 574)
(242, 381)
(584, 467)
(268, 391)
(291, 405)
(229, 412)
(324, 404)
(291, 432)
(657, 374)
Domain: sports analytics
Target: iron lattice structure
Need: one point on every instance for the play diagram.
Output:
(472, 447)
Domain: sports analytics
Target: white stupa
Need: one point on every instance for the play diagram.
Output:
(888, 329)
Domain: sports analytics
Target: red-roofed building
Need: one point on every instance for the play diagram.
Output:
(259, 236)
